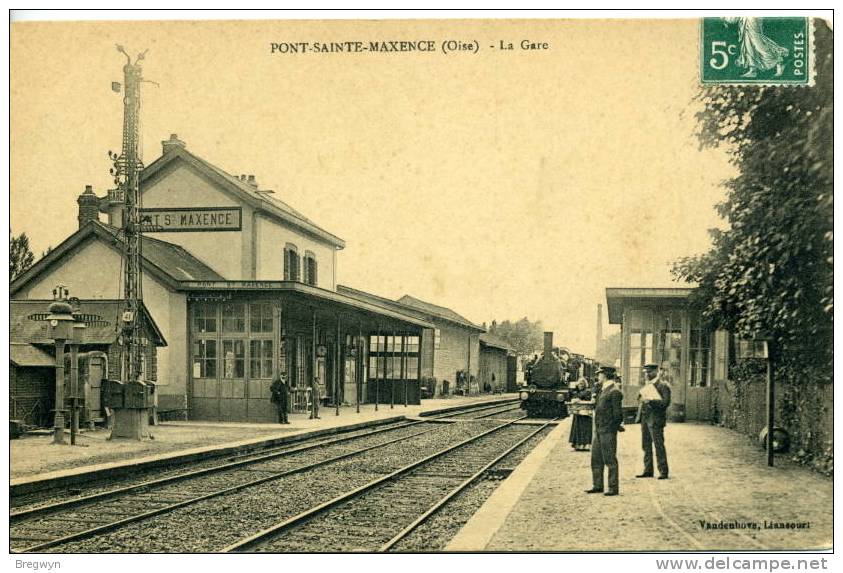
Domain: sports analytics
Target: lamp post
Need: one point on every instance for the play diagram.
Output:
(61, 321)
(77, 332)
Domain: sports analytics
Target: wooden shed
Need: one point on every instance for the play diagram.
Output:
(658, 326)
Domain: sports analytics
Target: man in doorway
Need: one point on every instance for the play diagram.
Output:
(280, 397)
(608, 420)
(654, 400)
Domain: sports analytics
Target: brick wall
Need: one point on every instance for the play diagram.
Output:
(452, 354)
(31, 395)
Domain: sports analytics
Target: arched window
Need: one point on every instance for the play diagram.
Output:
(310, 268)
(291, 262)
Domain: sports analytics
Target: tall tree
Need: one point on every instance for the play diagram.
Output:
(524, 336)
(771, 272)
(20, 255)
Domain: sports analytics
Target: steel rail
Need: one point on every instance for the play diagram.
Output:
(257, 538)
(254, 457)
(457, 414)
(154, 512)
(509, 408)
(450, 495)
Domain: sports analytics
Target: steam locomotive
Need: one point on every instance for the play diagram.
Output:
(550, 381)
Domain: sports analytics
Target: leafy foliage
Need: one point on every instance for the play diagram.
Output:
(609, 349)
(20, 255)
(523, 336)
(772, 271)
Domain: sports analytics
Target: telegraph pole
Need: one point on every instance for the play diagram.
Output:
(131, 417)
(127, 173)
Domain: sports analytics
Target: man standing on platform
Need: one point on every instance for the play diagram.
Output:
(608, 420)
(654, 400)
(280, 397)
(315, 396)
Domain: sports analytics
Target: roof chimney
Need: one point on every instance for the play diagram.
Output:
(89, 206)
(169, 144)
(251, 181)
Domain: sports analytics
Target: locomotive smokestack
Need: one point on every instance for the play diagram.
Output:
(548, 343)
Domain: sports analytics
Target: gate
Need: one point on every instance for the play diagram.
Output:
(300, 402)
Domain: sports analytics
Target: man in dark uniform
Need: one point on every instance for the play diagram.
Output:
(608, 417)
(280, 397)
(652, 414)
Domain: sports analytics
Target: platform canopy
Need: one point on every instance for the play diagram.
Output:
(617, 298)
(369, 313)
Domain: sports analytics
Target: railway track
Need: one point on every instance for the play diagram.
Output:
(66, 521)
(482, 413)
(378, 515)
(66, 496)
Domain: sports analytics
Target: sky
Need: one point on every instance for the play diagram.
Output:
(502, 183)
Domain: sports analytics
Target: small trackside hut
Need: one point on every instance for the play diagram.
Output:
(659, 326)
(32, 389)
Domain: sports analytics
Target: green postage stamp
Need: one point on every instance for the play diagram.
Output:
(743, 50)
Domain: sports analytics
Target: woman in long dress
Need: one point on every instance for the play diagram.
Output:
(580, 437)
(757, 51)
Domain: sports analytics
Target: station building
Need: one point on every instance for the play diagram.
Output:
(450, 351)
(659, 326)
(243, 286)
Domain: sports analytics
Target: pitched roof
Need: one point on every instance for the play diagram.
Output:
(175, 260)
(168, 262)
(488, 339)
(24, 354)
(26, 330)
(438, 311)
(421, 309)
(261, 200)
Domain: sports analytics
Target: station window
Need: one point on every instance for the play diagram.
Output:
(234, 317)
(260, 317)
(260, 359)
(233, 359)
(310, 268)
(388, 355)
(204, 318)
(412, 367)
(205, 359)
(699, 355)
(640, 344)
(291, 262)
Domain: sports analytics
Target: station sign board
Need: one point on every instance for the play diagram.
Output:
(192, 219)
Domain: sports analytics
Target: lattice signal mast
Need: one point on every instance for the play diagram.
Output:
(126, 171)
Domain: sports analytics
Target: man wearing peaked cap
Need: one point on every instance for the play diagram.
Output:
(608, 417)
(654, 400)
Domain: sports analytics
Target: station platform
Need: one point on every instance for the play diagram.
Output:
(721, 495)
(35, 459)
